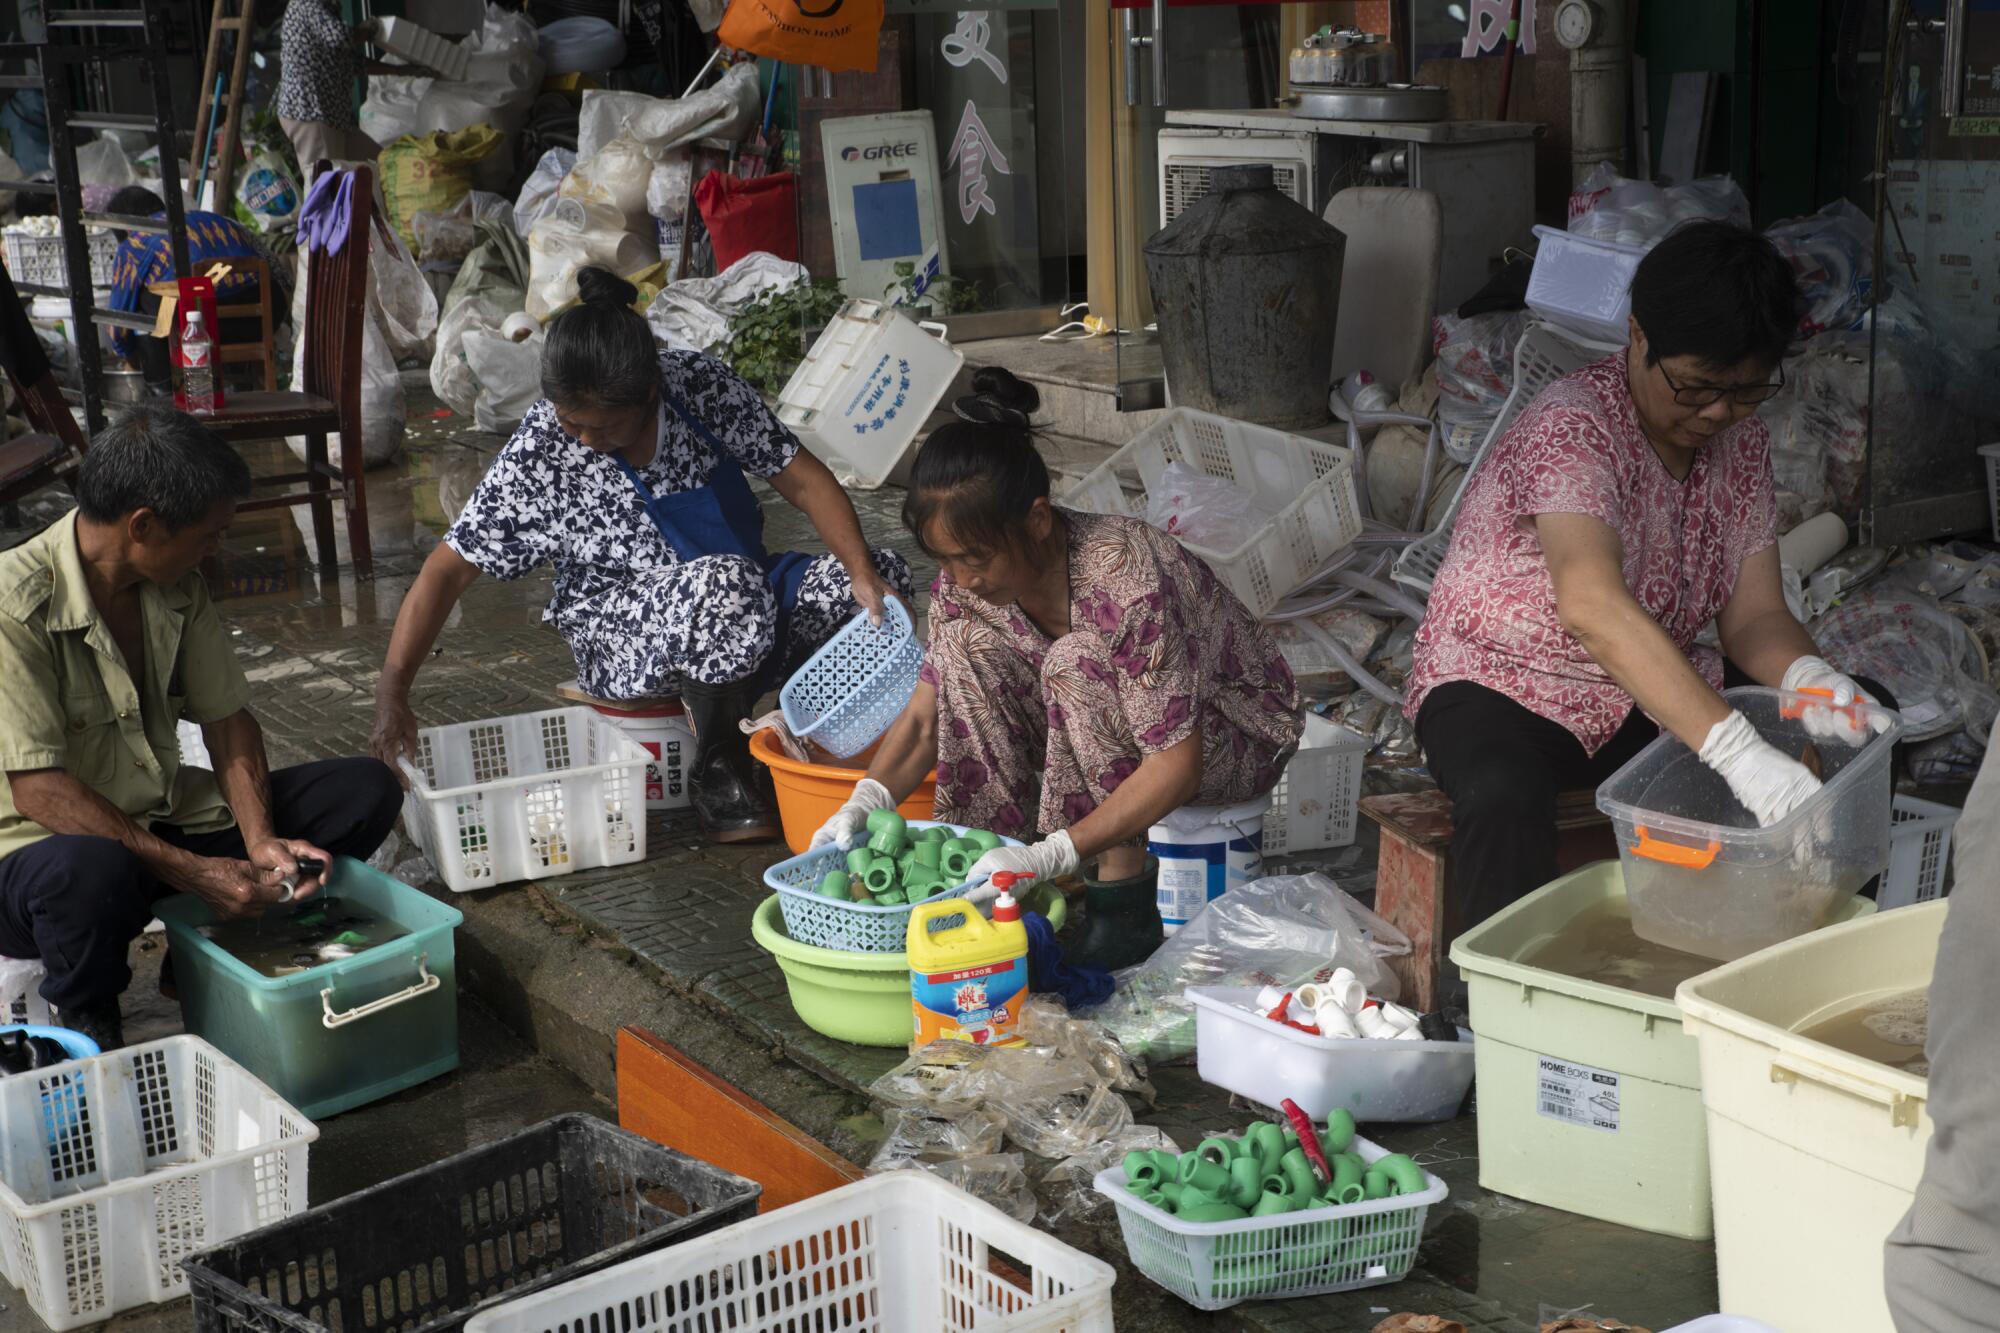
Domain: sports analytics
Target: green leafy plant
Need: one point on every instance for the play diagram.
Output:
(767, 338)
(945, 295)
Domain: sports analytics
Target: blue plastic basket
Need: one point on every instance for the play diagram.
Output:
(848, 926)
(60, 1100)
(75, 1044)
(848, 692)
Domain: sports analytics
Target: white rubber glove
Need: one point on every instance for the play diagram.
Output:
(1052, 857)
(843, 829)
(1834, 722)
(1770, 784)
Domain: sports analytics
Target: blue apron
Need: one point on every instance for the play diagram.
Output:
(724, 518)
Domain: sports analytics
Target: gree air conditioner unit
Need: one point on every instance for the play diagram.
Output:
(1188, 155)
(882, 188)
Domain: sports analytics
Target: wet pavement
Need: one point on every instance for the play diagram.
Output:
(679, 924)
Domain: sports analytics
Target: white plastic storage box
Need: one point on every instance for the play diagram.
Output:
(866, 388)
(1919, 852)
(115, 1168)
(1589, 1094)
(1704, 878)
(1214, 1265)
(527, 797)
(1815, 1153)
(1306, 483)
(1317, 801)
(40, 259)
(1382, 1082)
(897, 1253)
(1583, 284)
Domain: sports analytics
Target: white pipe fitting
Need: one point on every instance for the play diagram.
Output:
(1268, 999)
(1410, 1034)
(1372, 1025)
(1397, 1017)
(1348, 992)
(1334, 1021)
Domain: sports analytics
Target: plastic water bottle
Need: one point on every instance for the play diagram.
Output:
(197, 367)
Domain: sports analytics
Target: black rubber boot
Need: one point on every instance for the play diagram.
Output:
(1121, 920)
(731, 799)
(101, 1022)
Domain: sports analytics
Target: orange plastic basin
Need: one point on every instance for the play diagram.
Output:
(808, 794)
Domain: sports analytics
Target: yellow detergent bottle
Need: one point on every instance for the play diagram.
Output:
(968, 975)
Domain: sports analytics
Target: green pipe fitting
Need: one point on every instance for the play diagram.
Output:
(1290, 1136)
(1171, 1190)
(926, 853)
(1190, 1197)
(886, 821)
(888, 843)
(859, 860)
(1274, 1182)
(890, 898)
(834, 884)
(906, 861)
(982, 839)
(880, 876)
(1246, 1182)
(1168, 1162)
(1211, 1178)
(955, 858)
(1347, 1173)
(930, 833)
(1211, 1212)
(1270, 1205)
(1339, 1135)
(1141, 1171)
(918, 886)
(1375, 1184)
(1405, 1175)
(1267, 1142)
(1218, 1150)
(1299, 1173)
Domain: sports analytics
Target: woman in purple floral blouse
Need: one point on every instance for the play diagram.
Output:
(1086, 676)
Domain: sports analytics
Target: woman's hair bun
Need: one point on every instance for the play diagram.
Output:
(1006, 388)
(600, 286)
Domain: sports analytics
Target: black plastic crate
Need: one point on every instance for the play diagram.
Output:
(426, 1251)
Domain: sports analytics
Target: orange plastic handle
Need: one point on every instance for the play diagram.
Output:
(1674, 853)
(1792, 711)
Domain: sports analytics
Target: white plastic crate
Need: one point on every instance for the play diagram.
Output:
(1214, 1265)
(850, 691)
(897, 1253)
(527, 797)
(20, 991)
(1583, 284)
(39, 259)
(1541, 357)
(1919, 852)
(1317, 801)
(115, 1168)
(866, 388)
(1308, 482)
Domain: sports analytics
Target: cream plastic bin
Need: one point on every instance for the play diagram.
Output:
(1382, 1082)
(1584, 284)
(1589, 1094)
(1705, 879)
(866, 388)
(1815, 1153)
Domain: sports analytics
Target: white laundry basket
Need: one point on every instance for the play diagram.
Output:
(866, 387)
(897, 1253)
(1317, 802)
(1307, 484)
(1919, 852)
(527, 797)
(115, 1168)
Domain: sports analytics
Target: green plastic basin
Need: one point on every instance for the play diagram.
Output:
(862, 998)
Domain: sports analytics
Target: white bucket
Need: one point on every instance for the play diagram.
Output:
(1204, 851)
(663, 732)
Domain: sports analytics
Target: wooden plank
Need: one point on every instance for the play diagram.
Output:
(668, 1098)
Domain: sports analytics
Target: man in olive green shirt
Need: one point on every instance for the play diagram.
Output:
(107, 641)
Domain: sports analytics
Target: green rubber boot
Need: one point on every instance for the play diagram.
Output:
(1121, 920)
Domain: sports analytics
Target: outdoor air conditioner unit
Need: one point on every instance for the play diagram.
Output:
(1188, 155)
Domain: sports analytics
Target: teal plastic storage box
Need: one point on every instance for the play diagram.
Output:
(342, 1034)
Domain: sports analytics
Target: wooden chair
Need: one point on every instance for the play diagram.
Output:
(52, 450)
(260, 351)
(329, 402)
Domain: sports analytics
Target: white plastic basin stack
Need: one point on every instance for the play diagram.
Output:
(1341, 1008)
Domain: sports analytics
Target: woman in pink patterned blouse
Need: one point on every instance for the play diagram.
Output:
(1086, 676)
(1628, 507)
